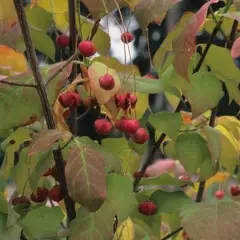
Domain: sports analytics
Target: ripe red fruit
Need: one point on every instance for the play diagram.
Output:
(55, 193)
(133, 100)
(67, 113)
(147, 208)
(103, 126)
(69, 99)
(62, 41)
(130, 126)
(123, 101)
(127, 37)
(219, 194)
(87, 48)
(42, 194)
(107, 82)
(149, 75)
(21, 200)
(140, 136)
(136, 174)
(235, 191)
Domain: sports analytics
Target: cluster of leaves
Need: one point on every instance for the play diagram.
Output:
(99, 178)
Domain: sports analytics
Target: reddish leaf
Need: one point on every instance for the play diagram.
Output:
(235, 51)
(184, 45)
(85, 177)
(45, 139)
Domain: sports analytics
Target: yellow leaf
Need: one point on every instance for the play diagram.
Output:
(7, 10)
(11, 62)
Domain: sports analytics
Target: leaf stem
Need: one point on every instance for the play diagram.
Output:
(172, 233)
(232, 34)
(45, 102)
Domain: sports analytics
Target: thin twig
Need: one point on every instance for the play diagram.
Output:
(18, 84)
(45, 103)
(172, 233)
(232, 34)
(23, 237)
(55, 74)
(94, 29)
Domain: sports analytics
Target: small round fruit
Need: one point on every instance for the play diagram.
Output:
(136, 174)
(66, 113)
(42, 194)
(69, 99)
(87, 48)
(55, 193)
(147, 208)
(21, 200)
(133, 101)
(123, 101)
(140, 136)
(103, 126)
(62, 41)
(219, 194)
(127, 37)
(235, 191)
(130, 126)
(107, 82)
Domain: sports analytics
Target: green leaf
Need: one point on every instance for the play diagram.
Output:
(191, 150)
(164, 179)
(173, 221)
(111, 161)
(214, 142)
(91, 226)
(207, 83)
(227, 68)
(233, 90)
(3, 204)
(130, 160)
(15, 97)
(11, 233)
(39, 37)
(170, 150)
(213, 220)
(170, 202)
(42, 222)
(166, 122)
(2, 181)
(85, 168)
(230, 149)
(39, 18)
(3, 221)
(118, 196)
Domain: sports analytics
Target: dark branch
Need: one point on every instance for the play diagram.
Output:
(45, 103)
(232, 34)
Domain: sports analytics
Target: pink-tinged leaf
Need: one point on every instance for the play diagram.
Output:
(184, 45)
(160, 167)
(85, 177)
(233, 15)
(46, 139)
(235, 51)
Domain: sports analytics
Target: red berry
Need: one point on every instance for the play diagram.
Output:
(130, 126)
(62, 41)
(140, 136)
(235, 191)
(123, 101)
(133, 100)
(107, 82)
(103, 126)
(147, 208)
(119, 123)
(219, 194)
(69, 99)
(149, 75)
(55, 193)
(127, 37)
(87, 48)
(42, 194)
(21, 200)
(136, 174)
(48, 172)
(67, 113)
